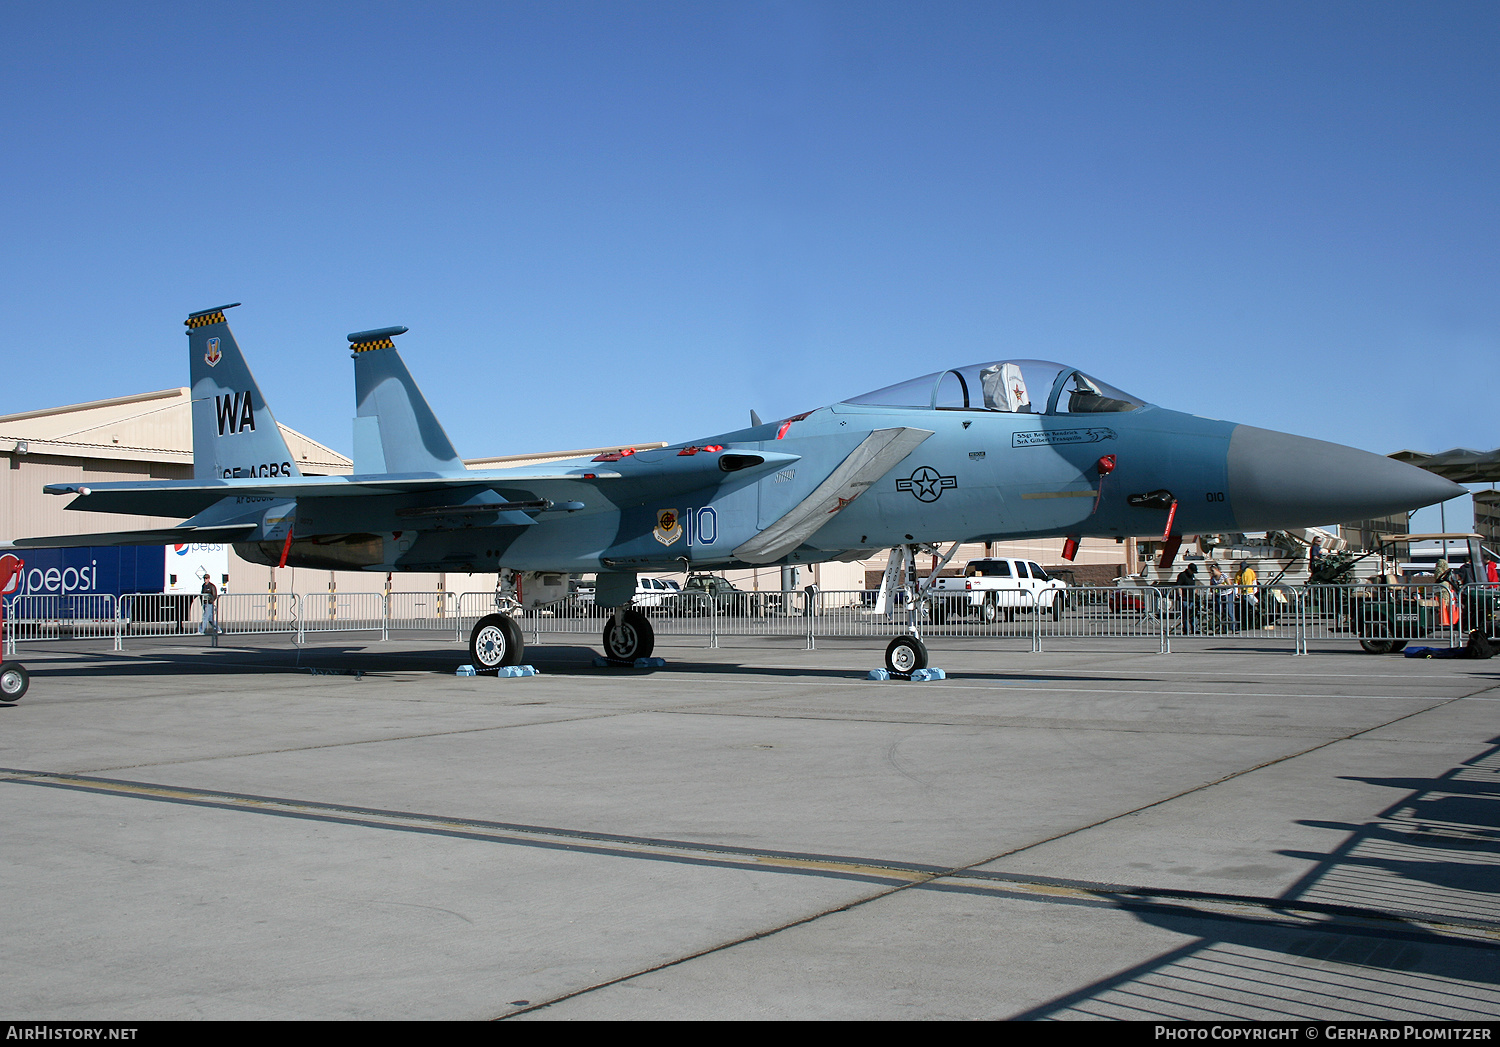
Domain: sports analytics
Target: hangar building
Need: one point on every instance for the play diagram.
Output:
(150, 436)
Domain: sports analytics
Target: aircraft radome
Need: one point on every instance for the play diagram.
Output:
(987, 452)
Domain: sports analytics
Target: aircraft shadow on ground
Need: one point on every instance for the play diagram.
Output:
(556, 660)
(1425, 857)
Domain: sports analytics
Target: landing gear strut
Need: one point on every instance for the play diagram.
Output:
(906, 654)
(496, 642)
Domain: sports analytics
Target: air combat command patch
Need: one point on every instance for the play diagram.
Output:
(668, 526)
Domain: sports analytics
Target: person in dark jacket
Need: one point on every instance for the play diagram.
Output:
(210, 598)
(1187, 596)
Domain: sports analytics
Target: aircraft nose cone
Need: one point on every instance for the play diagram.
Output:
(1277, 480)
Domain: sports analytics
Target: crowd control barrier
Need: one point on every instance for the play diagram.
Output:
(1379, 618)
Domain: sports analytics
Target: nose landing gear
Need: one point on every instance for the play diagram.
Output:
(905, 655)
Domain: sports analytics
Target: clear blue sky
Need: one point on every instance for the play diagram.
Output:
(627, 221)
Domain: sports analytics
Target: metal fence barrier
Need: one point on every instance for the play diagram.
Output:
(1377, 616)
(248, 613)
(425, 612)
(57, 616)
(337, 612)
(159, 614)
(1391, 616)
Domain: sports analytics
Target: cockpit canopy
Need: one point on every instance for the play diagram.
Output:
(1013, 386)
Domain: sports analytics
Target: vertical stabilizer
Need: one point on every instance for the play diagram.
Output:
(395, 430)
(234, 432)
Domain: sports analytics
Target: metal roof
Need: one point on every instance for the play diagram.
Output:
(1459, 464)
(151, 427)
(158, 427)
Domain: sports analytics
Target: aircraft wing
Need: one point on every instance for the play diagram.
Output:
(867, 463)
(162, 536)
(630, 480)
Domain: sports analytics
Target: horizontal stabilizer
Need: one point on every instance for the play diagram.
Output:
(163, 536)
(868, 462)
(190, 497)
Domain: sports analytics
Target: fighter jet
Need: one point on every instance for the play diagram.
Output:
(987, 452)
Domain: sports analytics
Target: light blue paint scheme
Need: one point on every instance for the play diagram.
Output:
(234, 432)
(410, 437)
(931, 460)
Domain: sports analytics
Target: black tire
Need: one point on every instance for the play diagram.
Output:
(633, 638)
(517, 639)
(1057, 608)
(1378, 644)
(905, 655)
(989, 611)
(495, 643)
(14, 680)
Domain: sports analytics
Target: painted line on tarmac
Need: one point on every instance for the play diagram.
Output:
(986, 685)
(888, 877)
(548, 837)
(887, 873)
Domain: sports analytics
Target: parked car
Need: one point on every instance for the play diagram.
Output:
(1131, 599)
(703, 593)
(652, 592)
(995, 586)
(649, 592)
(1128, 597)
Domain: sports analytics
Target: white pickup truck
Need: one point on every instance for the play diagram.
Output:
(992, 587)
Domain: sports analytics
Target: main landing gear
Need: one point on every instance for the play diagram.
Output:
(495, 643)
(628, 635)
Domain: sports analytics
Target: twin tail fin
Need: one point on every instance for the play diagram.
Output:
(234, 432)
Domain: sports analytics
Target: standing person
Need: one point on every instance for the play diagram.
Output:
(210, 598)
(1187, 584)
(1314, 554)
(1223, 595)
(1248, 593)
(1447, 583)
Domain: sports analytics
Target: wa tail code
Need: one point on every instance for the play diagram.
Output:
(234, 413)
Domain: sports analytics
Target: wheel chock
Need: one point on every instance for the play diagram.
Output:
(504, 670)
(915, 676)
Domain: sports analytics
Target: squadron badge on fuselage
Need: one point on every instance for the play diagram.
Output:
(668, 526)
